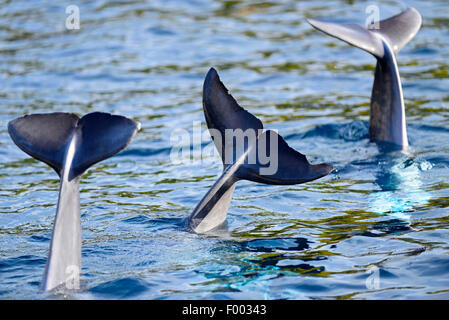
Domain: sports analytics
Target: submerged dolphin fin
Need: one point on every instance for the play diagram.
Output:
(69, 145)
(387, 113)
(247, 153)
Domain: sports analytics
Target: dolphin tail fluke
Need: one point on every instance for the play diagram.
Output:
(222, 113)
(397, 31)
(46, 137)
(267, 157)
(247, 152)
(382, 40)
(69, 145)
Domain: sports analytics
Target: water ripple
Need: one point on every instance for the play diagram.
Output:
(379, 208)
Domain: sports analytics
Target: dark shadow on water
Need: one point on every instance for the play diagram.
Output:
(21, 262)
(352, 131)
(144, 152)
(138, 219)
(263, 245)
(259, 260)
(280, 260)
(41, 238)
(357, 130)
(124, 288)
(158, 223)
(393, 226)
(275, 244)
(424, 127)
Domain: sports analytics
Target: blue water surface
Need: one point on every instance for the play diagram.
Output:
(378, 214)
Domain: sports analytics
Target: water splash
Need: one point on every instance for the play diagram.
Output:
(401, 188)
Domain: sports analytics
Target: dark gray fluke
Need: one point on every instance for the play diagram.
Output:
(70, 146)
(249, 161)
(387, 113)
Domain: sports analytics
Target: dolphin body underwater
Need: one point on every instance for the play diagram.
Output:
(70, 145)
(222, 113)
(387, 111)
